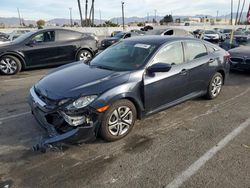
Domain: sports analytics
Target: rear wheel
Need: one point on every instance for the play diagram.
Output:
(118, 120)
(84, 55)
(9, 65)
(215, 86)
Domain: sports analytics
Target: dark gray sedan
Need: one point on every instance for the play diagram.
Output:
(128, 81)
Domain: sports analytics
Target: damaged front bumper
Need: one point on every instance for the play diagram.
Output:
(61, 127)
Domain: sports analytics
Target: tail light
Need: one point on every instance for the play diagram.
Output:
(227, 57)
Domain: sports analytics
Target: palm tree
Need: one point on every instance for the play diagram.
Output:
(241, 11)
(236, 20)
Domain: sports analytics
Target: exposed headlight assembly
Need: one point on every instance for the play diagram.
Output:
(81, 102)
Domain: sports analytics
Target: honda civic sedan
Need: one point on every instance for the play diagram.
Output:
(45, 47)
(130, 80)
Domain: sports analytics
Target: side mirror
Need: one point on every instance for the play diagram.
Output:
(31, 43)
(159, 67)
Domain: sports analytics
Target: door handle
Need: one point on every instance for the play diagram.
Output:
(211, 60)
(183, 72)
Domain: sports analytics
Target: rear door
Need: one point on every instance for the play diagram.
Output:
(68, 43)
(163, 88)
(200, 65)
(41, 49)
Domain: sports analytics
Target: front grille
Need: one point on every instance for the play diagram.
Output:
(237, 59)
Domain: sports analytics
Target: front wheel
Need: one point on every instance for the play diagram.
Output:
(118, 120)
(9, 65)
(215, 86)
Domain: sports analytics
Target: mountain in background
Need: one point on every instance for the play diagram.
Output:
(13, 21)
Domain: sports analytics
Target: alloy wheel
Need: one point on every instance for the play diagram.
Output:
(120, 121)
(8, 65)
(85, 55)
(216, 86)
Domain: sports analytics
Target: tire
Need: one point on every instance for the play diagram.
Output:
(84, 55)
(10, 65)
(215, 86)
(118, 120)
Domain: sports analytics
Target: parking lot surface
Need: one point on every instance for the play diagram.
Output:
(194, 144)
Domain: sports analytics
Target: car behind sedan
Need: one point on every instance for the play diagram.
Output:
(240, 58)
(130, 80)
(45, 47)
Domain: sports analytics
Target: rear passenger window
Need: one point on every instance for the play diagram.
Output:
(195, 50)
(210, 49)
(68, 35)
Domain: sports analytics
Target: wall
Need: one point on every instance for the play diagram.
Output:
(106, 31)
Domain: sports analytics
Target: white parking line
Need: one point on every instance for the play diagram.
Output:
(185, 175)
(14, 116)
(20, 79)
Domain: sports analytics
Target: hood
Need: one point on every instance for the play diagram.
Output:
(243, 51)
(78, 79)
(112, 38)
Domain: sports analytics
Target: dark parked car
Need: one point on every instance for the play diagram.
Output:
(170, 32)
(119, 36)
(115, 33)
(240, 58)
(3, 36)
(226, 32)
(45, 47)
(147, 28)
(130, 80)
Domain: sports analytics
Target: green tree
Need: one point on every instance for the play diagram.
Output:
(40, 24)
(140, 24)
(167, 19)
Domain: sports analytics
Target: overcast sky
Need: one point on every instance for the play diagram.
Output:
(49, 9)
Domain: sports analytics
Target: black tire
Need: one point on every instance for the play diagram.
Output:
(10, 65)
(84, 55)
(215, 86)
(107, 132)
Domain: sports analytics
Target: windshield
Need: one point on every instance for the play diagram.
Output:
(226, 31)
(238, 33)
(23, 37)
(210, 32)
(124, 56)
(120, 35)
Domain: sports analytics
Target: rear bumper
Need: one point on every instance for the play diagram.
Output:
(58, 130)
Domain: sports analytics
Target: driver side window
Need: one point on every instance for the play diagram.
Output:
(48, 36)
(171, 54)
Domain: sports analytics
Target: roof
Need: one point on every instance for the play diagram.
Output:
(157, 39)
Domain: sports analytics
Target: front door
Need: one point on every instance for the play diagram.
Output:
(161, 89)
(41, 50)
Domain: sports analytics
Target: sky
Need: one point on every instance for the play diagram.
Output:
(49, 9)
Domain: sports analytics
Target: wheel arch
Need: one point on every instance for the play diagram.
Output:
(84, 48)
(222, 72)
(18, 56)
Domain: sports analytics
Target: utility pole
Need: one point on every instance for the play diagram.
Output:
(20, 21)
(100, 14)
(80, 11)
(86, 13)
(217, 15)
(70, 17)
(232, 12)
(123, 24)
(155, 16)
(241, 11)
(147, 17)
(93, 13)
(236, 20)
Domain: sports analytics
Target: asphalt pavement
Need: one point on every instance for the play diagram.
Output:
(200, 143)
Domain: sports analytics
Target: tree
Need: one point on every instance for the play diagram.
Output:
(31, 26)
(167, 19)
(110, 24)
(140, 24)
(40, 24)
